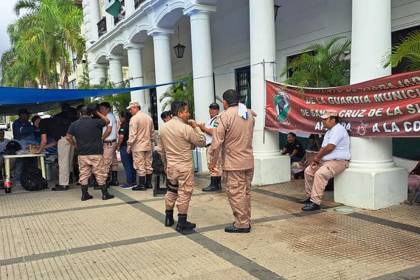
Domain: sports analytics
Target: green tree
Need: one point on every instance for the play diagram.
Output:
(407, 51)
(183, 91)
(321, 65)
(42, 37)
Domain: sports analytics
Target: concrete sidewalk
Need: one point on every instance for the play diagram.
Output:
(53, 235)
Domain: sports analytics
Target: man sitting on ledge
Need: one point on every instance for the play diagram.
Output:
(331, 160)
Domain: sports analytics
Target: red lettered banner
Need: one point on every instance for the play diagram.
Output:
(384, 107)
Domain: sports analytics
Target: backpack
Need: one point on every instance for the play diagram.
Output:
(12, 147)
(31, 179)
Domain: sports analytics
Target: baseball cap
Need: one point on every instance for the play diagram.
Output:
(329, 113)
(133, 104)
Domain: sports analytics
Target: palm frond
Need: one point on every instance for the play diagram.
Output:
(408, 49)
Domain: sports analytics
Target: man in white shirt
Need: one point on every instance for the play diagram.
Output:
(331, 160)
(109, 138)
(207, 128)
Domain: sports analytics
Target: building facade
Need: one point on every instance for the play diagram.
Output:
(240, 43)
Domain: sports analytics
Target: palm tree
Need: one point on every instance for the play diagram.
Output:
(183, 91)
(43, 36)
(30, 6)
(321, 65)
(408, 50)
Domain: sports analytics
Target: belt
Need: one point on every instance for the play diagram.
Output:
(110, 142)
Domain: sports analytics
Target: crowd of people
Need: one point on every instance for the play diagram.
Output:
(93, 135)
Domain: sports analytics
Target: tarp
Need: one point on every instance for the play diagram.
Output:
(37, 100)
(384, 107)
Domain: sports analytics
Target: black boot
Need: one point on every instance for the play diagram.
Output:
(85, 194)
(169, 219)
(305, 200)
(148, 184)
(214, 185)
(219, 183)
(311, 207)
(105, 194)
(141, 186)
(114, 179)
(183, 226)
(93, 183)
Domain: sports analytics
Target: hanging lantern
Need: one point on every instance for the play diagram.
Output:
(179, 48)
(114, 7)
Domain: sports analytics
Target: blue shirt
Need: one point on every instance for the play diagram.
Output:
(22, 129)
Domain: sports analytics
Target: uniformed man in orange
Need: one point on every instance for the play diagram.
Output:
(177, 138)
(140, 143)
(233, 136)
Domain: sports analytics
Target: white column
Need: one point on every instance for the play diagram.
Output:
(372, 181)
(163, 64)
(91, 16)
(100, 72)
(202, 59)
(115, 70)
(135, 68)
(129, 7)
(270, 166)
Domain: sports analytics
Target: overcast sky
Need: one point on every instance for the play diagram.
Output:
(7, 16)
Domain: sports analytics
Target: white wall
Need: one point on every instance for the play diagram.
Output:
(299, 24)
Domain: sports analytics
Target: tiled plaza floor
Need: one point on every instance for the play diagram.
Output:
(54, 235)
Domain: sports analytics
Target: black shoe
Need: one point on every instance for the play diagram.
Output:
(92, 182)
(105, 194)
(114, 179)
(233, 229)
(169, 219)
(311, 207)
(141, 186)
(305, 201)
(85, 194)
(59, 188)
(219, 182)
(148, 183)
(183, 226)
(214, 185)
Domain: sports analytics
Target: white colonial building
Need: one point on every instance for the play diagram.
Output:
(238, 43)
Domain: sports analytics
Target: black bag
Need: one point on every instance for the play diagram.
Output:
(31, 178)
(12, 147)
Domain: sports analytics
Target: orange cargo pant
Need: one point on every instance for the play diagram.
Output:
(218, 172)
(238, 189)
(142, 162)
(92, 164)
(317, 177)
(110, 159)
(180, 188)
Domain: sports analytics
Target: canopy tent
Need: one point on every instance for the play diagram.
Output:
(37, 100)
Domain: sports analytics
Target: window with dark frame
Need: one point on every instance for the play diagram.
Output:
(290, 58)
(397, 37)
(243, 84)
(404, 147)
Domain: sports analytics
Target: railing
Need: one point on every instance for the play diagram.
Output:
(137, 3)
(101, 27)
(121, 15)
